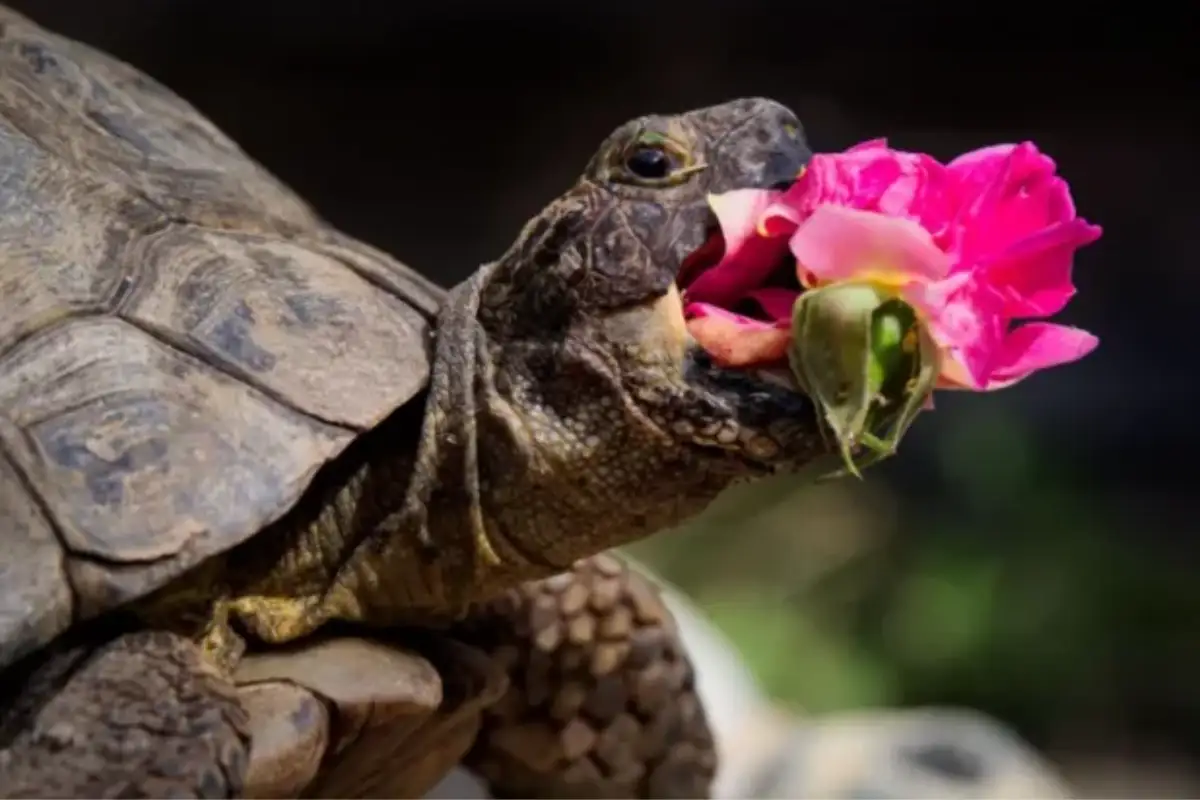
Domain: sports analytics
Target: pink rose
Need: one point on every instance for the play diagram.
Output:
(872, 177)
(971, 245)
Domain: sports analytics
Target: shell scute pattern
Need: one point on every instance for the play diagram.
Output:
(183, 343)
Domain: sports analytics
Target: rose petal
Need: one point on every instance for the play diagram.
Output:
(873, 177)
(1007, 194)
(1034, 275)
(838, 243)
(978, 167)
(1037, 346)
(929, 298)
(697, 310)
(779, 219)
(969, 328)
(776, 302)
(1029, 348)
(739, 211)
(736, 341)
(749, 257)
(871, 144)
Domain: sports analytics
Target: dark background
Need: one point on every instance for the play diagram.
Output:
(1032, 553)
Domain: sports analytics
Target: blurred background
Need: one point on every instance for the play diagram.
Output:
(1032, 554)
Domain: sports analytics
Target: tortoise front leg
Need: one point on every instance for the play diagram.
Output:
(142, 715)
(602, 699)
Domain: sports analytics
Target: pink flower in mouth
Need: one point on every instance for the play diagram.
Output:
(972, 246)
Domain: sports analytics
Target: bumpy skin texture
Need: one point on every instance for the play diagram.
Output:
(602, 700)
(573, 686)
(568, 410)
(143, 715)
(584, 415)
(229, 421)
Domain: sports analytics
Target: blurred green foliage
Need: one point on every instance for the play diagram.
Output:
(1014, 588)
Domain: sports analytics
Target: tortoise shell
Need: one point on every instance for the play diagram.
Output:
(183, 341)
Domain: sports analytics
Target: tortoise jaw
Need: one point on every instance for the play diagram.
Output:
(763, 415)
(760, 416)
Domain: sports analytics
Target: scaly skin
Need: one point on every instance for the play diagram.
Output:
(568, 411)
(120, 720)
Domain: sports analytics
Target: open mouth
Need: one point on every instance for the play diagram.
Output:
(739, 309)
(767, 300)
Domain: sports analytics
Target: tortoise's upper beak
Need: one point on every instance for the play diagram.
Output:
(764, 148)
(698, 247)
(784, 165)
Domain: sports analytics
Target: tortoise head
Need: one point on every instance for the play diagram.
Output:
(619, 237)
(599, 419)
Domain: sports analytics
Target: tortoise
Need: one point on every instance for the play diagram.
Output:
(283, 517)
(876, 753)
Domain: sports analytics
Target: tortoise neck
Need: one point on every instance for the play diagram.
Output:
(327, 544)
(376, 562)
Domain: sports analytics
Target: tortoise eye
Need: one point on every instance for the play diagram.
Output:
(651, 163)
(654, 160)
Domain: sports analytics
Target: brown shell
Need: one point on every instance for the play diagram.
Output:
(183, 342)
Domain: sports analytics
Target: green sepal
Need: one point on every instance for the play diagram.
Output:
(867, 363)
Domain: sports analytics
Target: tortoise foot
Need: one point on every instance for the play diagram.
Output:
(144, 715)
(602, 699)
(354, 717)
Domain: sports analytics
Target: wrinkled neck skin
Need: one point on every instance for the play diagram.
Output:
(538, 451)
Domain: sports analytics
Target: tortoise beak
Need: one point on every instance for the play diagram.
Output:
(784, 167)
(756, 155)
